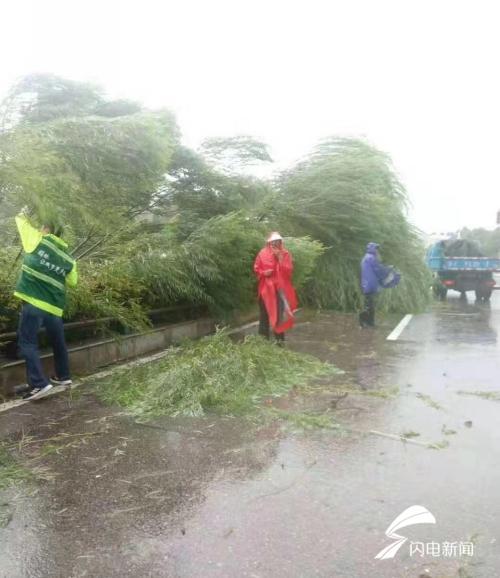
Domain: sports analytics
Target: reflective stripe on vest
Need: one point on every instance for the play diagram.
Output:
(43, 277)
(56, 249)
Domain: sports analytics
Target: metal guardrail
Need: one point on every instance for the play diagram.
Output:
(8, 339)
(86, 357)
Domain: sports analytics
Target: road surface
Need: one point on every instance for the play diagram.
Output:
(222, 498)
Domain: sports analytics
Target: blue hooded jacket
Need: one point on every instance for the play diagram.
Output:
(372, 271)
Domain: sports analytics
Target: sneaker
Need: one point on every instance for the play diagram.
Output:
(57, 381)
(38, 392)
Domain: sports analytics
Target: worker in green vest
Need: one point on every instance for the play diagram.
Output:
(46, 270)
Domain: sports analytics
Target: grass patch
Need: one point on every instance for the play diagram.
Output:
(303, 420)
(427, 399)
(11, 471)
(387, 393)
(439, 445)
(492, 395)
(20, 460)
(410, 434)
(212, 374)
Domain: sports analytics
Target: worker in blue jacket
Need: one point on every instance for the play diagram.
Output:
(374, 277)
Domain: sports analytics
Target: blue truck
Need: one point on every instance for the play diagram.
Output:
(458, 265)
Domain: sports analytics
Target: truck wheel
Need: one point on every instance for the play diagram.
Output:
(439, 290)
(487, 294)
(483, 294)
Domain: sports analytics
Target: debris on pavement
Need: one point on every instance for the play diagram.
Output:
(492, 395)
(427, 399)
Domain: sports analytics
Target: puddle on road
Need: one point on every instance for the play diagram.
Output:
(171, 496)
(112, 474)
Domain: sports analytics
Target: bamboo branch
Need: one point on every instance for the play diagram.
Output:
(85, 241)
(94, 246)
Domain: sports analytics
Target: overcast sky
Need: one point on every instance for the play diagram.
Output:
(418, 78)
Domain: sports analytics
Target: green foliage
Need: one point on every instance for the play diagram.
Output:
(107, 289)
(95, 175)
(213, 374)
(427, 399)
(304, 420)
(346, 194)
(492, 395)
(197, 191)
(39, 98)
(305, 252)
(212, 267)
(220, 255)
(167, 275)
(11, 471)
(488, 240)
(114, 108)
(413, 293)
(8, 274)
(229, 244)
(72, 156)
(154, 223)
(234, 153)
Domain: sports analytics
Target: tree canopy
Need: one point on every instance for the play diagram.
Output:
(156, 223)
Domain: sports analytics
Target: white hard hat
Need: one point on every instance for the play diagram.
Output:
(275, 236)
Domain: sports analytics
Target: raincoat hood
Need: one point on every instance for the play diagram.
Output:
(372, 248)
(374, 275)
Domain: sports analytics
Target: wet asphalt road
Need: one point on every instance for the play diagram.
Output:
(219, 497)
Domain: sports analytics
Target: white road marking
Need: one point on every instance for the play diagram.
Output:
(400, 327)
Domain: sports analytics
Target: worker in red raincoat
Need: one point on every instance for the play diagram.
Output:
(277, 300)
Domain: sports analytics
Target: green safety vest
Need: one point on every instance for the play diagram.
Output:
(43, 275)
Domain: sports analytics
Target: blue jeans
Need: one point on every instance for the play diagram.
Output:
(31, 320)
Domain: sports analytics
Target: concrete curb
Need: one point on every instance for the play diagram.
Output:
(89, 357)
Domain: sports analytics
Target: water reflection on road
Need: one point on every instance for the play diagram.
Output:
(224, 498)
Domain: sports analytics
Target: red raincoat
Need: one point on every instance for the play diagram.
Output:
(278, 284)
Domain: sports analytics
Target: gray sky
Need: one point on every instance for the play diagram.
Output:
(418, 78)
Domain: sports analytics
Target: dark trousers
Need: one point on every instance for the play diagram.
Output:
(367, 316)
(264, 327)
(31, 320)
